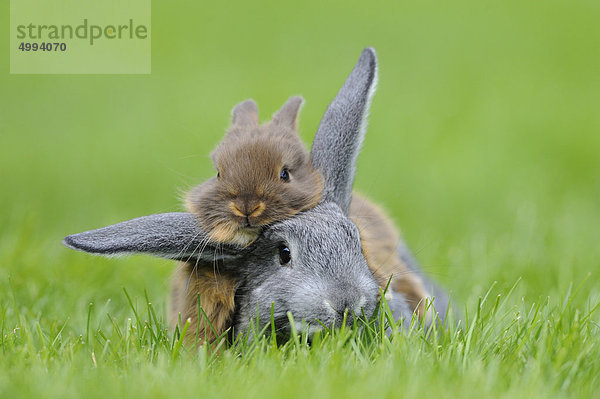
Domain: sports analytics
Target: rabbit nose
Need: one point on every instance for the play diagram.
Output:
(255, 210)
(353, 306)
(247, 209)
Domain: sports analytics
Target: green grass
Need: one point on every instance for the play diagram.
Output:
(483, 145)
(539, 349)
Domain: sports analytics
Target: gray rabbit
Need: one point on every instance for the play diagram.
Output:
(311, 265)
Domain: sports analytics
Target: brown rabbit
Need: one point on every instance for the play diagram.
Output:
(263, 175)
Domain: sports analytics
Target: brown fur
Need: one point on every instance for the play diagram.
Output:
(249, 192)
(216, 295)
(379, 239)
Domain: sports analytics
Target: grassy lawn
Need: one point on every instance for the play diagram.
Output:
(483, 144)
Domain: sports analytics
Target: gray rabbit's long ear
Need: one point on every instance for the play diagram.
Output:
(245, 114)
(342, 129)
(288, 114)
(174, 235)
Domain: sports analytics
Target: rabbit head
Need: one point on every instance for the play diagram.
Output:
(310, 265)
(263, 176)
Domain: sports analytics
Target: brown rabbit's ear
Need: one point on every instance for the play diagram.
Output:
(245, 114)
(288, 114)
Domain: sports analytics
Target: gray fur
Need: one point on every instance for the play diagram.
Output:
(175, 235)
(342, 130)
(328, 272)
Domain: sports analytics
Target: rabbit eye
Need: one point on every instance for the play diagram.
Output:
(218, 174)
(285, 255)
(285, 175)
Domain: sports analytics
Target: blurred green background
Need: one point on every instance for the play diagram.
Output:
(483, 139)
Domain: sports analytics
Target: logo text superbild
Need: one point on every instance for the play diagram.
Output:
(83, 31)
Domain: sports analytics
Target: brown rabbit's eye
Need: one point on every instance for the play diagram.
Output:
(285, 175)
(285, 255)
(218, 175)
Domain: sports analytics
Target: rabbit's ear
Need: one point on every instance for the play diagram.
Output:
(245, 114)
(342, 129)
(288, 114)
(174, 235)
